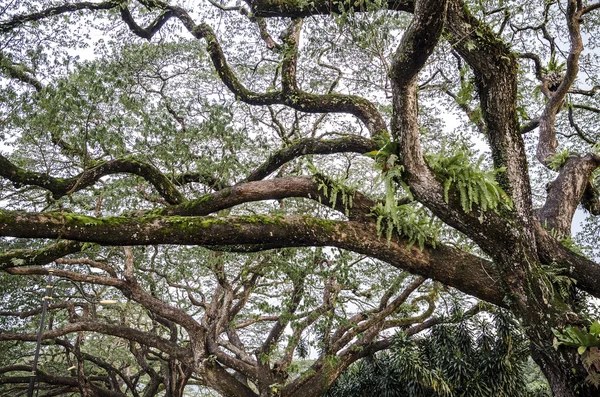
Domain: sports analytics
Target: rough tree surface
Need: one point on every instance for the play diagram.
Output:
(254, 179)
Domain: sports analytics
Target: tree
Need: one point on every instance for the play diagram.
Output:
(341, 79)
(334, 304)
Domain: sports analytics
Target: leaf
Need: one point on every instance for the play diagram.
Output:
(593, 378)
(595, 328)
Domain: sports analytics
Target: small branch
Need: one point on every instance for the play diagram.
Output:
(590, 8)
(469, 112)
(204, 178)
(586, 107)
(378, 317)
(64, 305)
(590, 92)
(108, 329)
(89, 262)
(530, 126)
(150, 30)
(580, 133)
(537, 62)
(264, 34)
(19, 72)
(251, 321)
(281, 323)
(241, 9)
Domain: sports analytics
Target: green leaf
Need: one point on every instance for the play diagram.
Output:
(595, 329)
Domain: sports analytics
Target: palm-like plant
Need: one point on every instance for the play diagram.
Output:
(475, 357)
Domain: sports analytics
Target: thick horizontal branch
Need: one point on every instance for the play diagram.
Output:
(39, 257)
(60, 187)
(450, 266)
(271, 189)
(299, 8)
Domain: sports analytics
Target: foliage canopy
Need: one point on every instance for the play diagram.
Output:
(257, 182)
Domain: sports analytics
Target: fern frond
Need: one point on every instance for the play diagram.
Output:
(474, 185)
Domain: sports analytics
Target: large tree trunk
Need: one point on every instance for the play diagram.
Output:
(558, 367)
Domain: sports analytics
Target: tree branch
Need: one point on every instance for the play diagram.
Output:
(566, 192)
(299, 9)
(39, 257)
(271, 189)
(417, 44)
(547, 142)
(18, 72)
(450, 266)
(294, 98)
(351, 143)
(108, 329)
(152, 29)
(495, 68)
(21, 19)
(60, 187)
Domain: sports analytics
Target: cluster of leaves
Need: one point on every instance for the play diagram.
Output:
(475, 185)
(332, 188)
(407, 220)
(587, 344)
(386, 157)
(558, 282)
(472, 357)
(558, 160)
